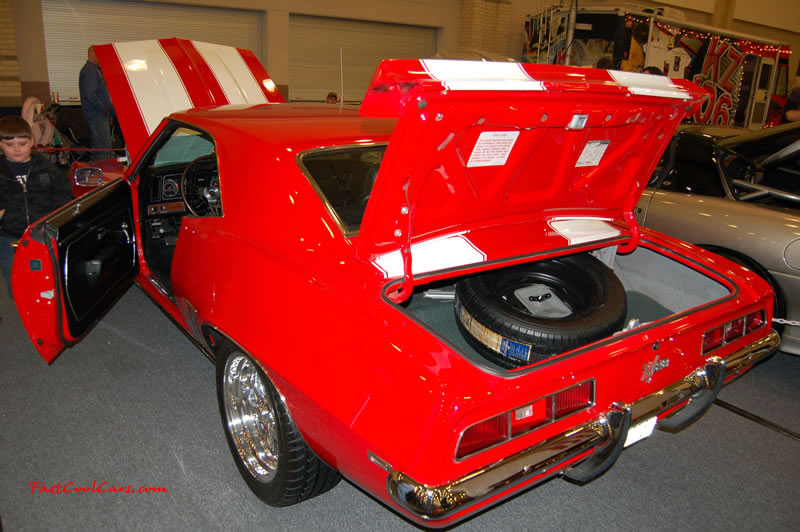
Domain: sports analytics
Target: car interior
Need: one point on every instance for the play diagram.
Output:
(766, 169)
(179, 178)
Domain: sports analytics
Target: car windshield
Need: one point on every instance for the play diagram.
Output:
(183, 145)
(343, 177)
(764, 145)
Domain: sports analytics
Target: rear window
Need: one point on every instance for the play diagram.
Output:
(343, 177)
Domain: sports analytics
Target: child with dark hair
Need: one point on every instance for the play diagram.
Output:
(30, 187)
(654, 70)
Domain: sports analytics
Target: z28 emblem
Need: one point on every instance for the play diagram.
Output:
(649, 368)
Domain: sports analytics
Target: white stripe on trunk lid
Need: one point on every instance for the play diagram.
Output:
(487, 75)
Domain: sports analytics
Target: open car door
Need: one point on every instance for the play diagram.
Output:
(70, 267)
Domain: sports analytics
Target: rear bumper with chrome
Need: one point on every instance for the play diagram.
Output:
(604, 437)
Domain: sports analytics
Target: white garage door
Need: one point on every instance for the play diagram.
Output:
(314, 51)
(71, 26)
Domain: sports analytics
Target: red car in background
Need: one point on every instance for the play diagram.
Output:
(442, 295)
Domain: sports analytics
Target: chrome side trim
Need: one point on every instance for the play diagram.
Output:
(380, 462)
(431, 503)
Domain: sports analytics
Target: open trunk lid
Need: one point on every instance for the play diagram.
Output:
(561, 153)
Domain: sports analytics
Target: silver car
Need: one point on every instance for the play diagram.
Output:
(736, 193)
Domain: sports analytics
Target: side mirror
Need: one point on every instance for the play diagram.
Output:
(88, 177)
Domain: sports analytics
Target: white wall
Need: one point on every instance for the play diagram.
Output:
(441, 14)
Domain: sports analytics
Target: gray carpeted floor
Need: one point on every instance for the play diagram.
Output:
(134, 404)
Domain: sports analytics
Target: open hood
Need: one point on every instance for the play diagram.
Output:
(560, 153)
(148, 80)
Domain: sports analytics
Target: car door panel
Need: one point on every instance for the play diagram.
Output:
(72, 266)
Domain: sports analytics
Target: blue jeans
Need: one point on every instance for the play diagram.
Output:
(100, 130)
(6, 258)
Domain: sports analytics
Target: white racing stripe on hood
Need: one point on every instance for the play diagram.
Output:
(156, 85)
(232, 73)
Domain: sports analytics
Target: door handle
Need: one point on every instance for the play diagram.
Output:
(125, 228)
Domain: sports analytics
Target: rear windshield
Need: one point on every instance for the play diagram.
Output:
(343, 177)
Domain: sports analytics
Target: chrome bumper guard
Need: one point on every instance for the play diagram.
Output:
(605, 435)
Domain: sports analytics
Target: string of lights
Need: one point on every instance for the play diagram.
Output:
(749, 46)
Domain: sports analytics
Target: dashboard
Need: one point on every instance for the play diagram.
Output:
(178, 190)
(165, 195)
(165, 209)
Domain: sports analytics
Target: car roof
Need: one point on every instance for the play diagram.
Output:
(760, 134)
(291, 124)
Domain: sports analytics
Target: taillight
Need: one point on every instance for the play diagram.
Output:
(526, 418)
(483, 435)
(734, 329)
(574, 399)
(712, 339)
(719, 336)
(753, 321)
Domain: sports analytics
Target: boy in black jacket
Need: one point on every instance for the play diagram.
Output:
(30, 187)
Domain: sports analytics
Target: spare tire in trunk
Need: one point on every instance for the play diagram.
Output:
(527, 313)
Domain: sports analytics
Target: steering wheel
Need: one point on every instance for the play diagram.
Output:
(200, 186)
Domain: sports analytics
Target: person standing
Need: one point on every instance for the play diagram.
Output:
(30, 187)
(96, 106)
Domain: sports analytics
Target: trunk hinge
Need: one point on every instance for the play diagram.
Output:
(406, 287)
(630, 219)
(402, 234)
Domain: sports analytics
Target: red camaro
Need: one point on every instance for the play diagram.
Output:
(442, 295)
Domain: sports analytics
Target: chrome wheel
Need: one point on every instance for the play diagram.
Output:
(251, 417)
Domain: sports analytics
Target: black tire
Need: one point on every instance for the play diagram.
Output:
(571, 301)
(779, 306)
(266, 445)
